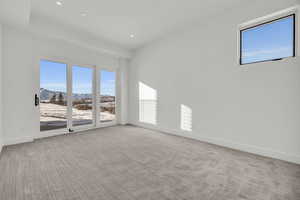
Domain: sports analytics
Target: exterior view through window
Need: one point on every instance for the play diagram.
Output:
(269, 41)
(68, 96)
(82, 97)
(107, 96)
(53, 90)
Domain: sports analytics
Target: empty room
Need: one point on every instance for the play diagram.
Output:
(149, 100)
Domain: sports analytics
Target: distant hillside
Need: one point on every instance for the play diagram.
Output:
(47, 94)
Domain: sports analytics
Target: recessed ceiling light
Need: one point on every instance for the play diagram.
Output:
(59, 3)
(83, 14)
(131, 35)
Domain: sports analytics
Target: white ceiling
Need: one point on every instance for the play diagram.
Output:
(115, 20)
(14, 12)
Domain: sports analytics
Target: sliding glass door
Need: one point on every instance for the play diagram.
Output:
(82, 96)
(53, 90)
(68, 96)
(107, 96)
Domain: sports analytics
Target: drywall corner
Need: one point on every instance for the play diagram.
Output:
(123, 92)
(1, 129)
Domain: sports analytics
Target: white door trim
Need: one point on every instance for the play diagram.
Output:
(96, 98)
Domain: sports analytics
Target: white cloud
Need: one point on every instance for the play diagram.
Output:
(265, 51)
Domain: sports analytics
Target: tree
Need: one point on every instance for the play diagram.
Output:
(53, 99)
(60, 99)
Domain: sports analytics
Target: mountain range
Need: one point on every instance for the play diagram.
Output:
(46, 94)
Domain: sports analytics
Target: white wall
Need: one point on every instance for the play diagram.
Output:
(1, 126)
(254, 108)
(122, 81)
(15, 12)
(22, 52)
(54, 30)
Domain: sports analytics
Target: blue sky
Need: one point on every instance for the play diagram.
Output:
(82, 80)
(269, 41)
(107, 83)
(53, 77)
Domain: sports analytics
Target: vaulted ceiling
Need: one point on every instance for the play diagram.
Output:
(117, 26)
(130, 23)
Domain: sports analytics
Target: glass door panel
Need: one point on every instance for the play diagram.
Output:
(107, 96)
(53, 90)
(82, 96)
(68, 96)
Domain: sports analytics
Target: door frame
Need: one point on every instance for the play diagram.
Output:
(54, 131)
(96, 97)
(100, 124)
(70, 99)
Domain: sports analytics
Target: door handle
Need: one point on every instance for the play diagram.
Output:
(36, 100)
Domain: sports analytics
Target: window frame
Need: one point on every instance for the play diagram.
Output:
(293, 15)
(100, 123)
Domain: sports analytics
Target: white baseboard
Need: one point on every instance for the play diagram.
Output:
(225, 143)
(12, 141)
(1, 145)
(192, 135)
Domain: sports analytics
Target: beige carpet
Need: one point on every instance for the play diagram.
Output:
(129, 163)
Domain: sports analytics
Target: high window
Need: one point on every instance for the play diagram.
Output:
(270, 41)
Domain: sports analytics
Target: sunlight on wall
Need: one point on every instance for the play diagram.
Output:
(186, 118)
(147, 104)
